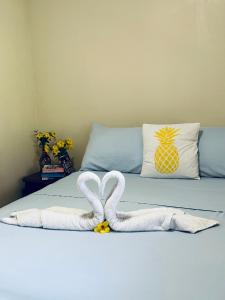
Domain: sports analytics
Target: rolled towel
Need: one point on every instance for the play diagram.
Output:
(28, 218)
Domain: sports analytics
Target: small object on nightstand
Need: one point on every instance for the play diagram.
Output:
(66, 163)
(60, 150)
(34, 182)
(52, 172)
(44, 139)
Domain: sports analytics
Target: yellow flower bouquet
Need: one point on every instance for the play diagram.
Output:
(61, 147)
(44, 139)
(60, 150)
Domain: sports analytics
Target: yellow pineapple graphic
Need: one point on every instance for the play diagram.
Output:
(166, 155)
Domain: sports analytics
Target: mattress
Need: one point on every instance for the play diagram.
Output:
(52, 264)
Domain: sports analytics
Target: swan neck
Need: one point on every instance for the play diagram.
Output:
(117, 193)
(92, 198)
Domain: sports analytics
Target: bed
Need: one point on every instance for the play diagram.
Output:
(51, 264)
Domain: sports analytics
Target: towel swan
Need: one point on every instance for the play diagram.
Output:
(63, 217)
(152, 219)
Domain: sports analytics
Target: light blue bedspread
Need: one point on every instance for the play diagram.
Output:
(63, 265)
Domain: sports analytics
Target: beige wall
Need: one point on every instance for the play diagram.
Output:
(125, 62)
(118, 62)
(17, 106)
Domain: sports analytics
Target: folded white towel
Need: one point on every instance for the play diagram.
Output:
(62, 217)
(147, 219)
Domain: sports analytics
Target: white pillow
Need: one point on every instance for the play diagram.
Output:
(170, 151)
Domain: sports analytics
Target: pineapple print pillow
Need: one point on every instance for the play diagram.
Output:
(170, 151)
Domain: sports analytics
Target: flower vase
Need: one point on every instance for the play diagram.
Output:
(44, 159)
(66, 163)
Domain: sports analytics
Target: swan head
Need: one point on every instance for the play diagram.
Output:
(111, 175)
(88, 176)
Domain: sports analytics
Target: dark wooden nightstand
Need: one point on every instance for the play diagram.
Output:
(33, 183)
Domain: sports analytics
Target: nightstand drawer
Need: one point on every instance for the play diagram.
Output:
(33, 183)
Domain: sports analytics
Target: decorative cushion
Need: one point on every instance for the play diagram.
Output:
(114, 149)
(212, 152)
(170, 151)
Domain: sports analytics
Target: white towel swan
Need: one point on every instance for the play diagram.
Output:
(62, 217)
(147, 219)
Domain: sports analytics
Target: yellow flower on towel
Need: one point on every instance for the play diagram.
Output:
(102, 227)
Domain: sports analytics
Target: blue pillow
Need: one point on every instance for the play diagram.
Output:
(122, 149)
(212, 152)
(114, 149)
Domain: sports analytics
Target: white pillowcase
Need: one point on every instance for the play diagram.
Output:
(170, 151)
